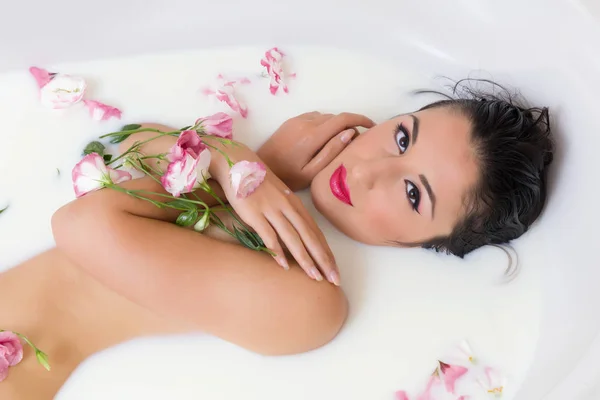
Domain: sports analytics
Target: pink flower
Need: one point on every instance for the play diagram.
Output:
(451, 374)
(246, 177)
(492, 381)
(225, 93)
(11, 352)
(273, 63)
(62, 91)
(189, 159)
(92, 174)
(102, 112)
(219, 124)
(42, 77)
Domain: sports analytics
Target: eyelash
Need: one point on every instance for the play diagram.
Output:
(400, 129)
(414, 203)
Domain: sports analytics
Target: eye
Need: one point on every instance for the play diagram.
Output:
(402, 138)
(413, 195)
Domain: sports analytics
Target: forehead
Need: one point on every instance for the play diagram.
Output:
(445, 155)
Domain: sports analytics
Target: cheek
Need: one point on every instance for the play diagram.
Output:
(388, 220)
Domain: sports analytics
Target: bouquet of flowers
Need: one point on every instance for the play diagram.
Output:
(187, 166)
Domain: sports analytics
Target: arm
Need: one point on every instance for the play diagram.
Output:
(162, 145)
(219, 288)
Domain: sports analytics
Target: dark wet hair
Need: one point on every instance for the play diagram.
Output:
(514, 147)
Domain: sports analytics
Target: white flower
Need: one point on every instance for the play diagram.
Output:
(492, 382)
(246, 177)
(62, 91)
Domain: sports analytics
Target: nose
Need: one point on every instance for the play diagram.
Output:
(383, 171)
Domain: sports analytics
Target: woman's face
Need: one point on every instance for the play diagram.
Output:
(403, 181)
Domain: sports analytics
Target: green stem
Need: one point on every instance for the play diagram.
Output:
(138, 131)
(229, 162)
(209, 190)
(159, 204)
(217, 221)
(134, 147)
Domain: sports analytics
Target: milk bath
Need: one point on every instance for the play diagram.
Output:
(407, 305)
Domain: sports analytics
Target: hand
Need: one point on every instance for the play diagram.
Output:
(278, 216)
(306, 144)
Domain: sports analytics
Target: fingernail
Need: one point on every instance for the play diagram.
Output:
(316, 274)
(283, 262)
(334, 278)
(347, 135)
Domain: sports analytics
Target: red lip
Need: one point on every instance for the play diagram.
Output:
(338, 185)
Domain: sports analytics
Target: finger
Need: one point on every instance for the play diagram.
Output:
(270, 239)
(314, 241)
(299, 208)
(330, 151)
(295, 245)
(346, 120)
(323, 117)
(310, 115)
(338, 123)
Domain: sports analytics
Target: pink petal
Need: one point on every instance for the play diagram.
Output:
(3, 368)
(245, 81)
(42, 77)
(190, 142)
(91, 174)
(219, 124)
(432, 383)
(273, 64)
(401, 395)
(181, 175)
(225, 93)
(12, 347)
(102, 112)
(451, 374)
(229, 98)
(118, 176)
(246, 177)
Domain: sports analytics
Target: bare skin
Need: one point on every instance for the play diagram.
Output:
(108, 281)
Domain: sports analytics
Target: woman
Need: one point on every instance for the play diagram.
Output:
(456, 175)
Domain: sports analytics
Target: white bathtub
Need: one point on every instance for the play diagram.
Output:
(548, 48)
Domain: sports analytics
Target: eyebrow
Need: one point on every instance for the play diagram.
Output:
(415, 131)
(425, 183)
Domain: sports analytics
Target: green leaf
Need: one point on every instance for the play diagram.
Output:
(4, 209)
(42, 358)
(186, 128)
(120, 138)
(57, 171)
(243, 238)
(257, 239)
(181, 205)
(187, 218)
(107, 158)
(130, 127)
(94, 147)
